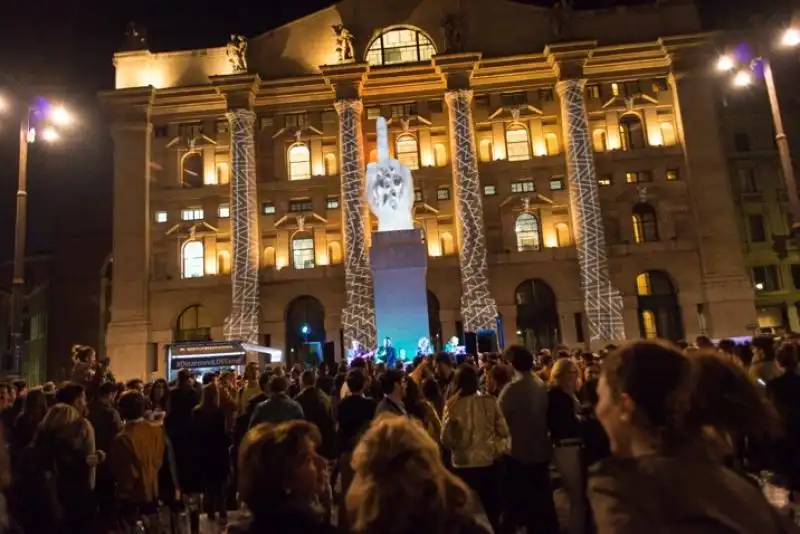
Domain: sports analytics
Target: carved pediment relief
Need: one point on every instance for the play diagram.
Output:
(525, 201)
(630, 103)
(191, 230)
(517, 113)
(300, 221)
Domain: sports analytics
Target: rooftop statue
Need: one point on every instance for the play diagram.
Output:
(390, 188)
(344, 44)
(237, 53)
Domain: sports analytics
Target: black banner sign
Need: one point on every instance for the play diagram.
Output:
(210, 361)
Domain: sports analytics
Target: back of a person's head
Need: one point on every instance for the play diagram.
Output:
(269, 458)
(184, 377)
(278, 384)
(308, 378)
(82, 353)
(431, 390)
(767, 346)
(727, 346)
(466, 380)
(356, 380)
(788, 356)
(444, 358)
(263, 380)
(35, 403)
(389, 379)
(502, 374)
(131, 405)
(561, 370)
(358, 363)
(107, 389)
(210, 398)
(703, 342)
(520, 357)
(396, 461)
(69, 393)
(61, 419)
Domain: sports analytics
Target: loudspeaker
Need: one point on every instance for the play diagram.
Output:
(471, 342)
(487, 341)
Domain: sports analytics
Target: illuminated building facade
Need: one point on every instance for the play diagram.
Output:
(576, 169)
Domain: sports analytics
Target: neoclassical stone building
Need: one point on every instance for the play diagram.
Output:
(578, 154)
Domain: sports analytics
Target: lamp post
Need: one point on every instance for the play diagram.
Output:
(48, 117)
(743, 78)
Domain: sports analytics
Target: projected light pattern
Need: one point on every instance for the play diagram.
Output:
(358, 315)
(478, 308)
(602, 302)
(243, 322)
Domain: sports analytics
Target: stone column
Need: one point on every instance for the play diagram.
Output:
(244, 320)
(358, 315)
(602, 302)
(478, 308)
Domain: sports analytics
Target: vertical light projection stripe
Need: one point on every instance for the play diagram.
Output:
(602, 302)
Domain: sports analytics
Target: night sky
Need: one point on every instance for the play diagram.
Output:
(67, 45)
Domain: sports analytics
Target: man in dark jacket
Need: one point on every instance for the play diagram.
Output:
(279, 407)
(107, 424)
(317, 409)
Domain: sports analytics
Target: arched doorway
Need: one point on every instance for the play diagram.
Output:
(194, 324)
(434, 321)
(537, 315)
(305, 329)
(658, 308)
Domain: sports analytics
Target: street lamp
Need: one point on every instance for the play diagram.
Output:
(33, 113)
(743, 78)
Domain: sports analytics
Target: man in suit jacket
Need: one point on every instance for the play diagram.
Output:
(318, 410)
(393, 383)
(278, 408)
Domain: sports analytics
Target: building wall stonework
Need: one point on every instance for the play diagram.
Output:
(653, 127)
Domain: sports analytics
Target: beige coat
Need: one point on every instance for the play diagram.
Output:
(475, 431)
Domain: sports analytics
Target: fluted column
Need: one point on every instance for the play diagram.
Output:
(244, 320)
(358, 316)
(602, 302)
(478, 308)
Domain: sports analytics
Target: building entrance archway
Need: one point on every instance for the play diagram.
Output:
(305, 329)
(537, 315)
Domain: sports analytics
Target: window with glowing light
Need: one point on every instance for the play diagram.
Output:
(192, 214)
(303, 252)
(192, 170)
(400, 45)
(766, 278)
(518, 146)
(224, 211)
(161, 216)
(193, 254)
(645, 223)
(527, 230)
(299, 162)
(631, 132)
(408, 151)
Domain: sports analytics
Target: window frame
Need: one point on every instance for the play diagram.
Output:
(443, 193)
(161, 216)
(224, 208)
(197, 214)
(423, 47)
(291, 165)
(311, 249)
(201, 258)
(533, 233)
(409, 158)
(517, 127)
(267, 208)
(523, 186)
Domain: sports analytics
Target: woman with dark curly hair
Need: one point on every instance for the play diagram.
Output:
(671, 418)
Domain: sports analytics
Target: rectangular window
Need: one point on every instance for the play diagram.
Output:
(673, 175)
(527, 186)
(747, 180)
(443, 193)
(605, 180)
(296, 120)
(641, 177)
(303, 253)
(741, 142)
(373, 113)
(190, 130)
(301, 204)
(333, 203)
(417, 195)
(593, 91)
(489, 190)
(546, 95)
(436, 106)
(615, 89)
(766, 278)
(224, 211)
(404, 110)
(510, 100)
(192, 214)
(756, 228)
(557, 183)
(161, 216)
(268, 208)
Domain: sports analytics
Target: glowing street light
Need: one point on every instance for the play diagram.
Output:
(725, 63)
(791, 37)
(743, 78)
(60, 116)
(50, 134)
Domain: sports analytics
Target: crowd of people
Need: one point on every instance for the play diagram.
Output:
(646, 437)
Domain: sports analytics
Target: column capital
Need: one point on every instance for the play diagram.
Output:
(688, 54)
(354, 104)
(457, 69)
(568, 59)
(346, 80)
(572, 84)
(239, 90)
(131, 106)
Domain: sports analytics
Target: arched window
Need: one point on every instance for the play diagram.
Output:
(631, 132)
(527, 230)
(518, 146)
(667, 134)
(645, 223)
(562, 235)
(400, 45)
(223, 173)
(448, 247)
(408, 151)
(373, 155)
(439, 155)
(551, 141)
(330, 165)
(659, 309)
(193, 255)
(303, 252)
(486, 150)
(224, 262)
(599, 141)
(193, 324)
(334, 252)
(299, 162)
(192, 170)
(269, 257)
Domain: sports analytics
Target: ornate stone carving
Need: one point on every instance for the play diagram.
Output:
(344, 44)
(135, 38)
(390, 187)
(237, 53)
(563, 11)
(453, 29)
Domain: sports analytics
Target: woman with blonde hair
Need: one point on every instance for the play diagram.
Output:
(402, 487)
(566, 433)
